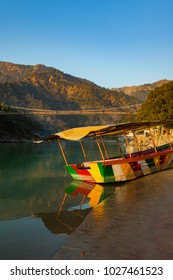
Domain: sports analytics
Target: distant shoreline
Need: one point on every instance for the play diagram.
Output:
(11, 141)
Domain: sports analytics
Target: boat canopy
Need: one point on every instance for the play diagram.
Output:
(79, 133)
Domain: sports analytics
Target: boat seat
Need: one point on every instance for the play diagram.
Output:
(83, 165)
(86, 164)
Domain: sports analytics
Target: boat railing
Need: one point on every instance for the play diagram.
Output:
(161, 148)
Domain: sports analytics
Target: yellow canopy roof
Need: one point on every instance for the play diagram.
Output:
(78, 133)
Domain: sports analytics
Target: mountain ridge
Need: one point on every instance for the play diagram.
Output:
(141, 92)
(54, 88)
(42, 87)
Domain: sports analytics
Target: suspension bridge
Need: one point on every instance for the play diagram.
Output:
(122, 110)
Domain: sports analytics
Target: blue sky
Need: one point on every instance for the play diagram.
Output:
(113, 43)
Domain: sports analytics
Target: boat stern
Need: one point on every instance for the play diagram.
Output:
(95, 172)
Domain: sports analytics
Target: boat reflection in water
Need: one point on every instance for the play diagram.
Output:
(67, 219)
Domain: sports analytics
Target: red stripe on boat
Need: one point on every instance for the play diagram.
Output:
(83, 172)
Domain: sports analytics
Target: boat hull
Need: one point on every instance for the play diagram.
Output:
(123, 169)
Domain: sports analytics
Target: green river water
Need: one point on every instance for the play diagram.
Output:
(32, 184)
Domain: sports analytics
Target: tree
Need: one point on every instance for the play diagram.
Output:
(159, 104)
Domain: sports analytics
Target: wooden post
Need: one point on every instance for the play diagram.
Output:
(104, 147)
(136, 141)
(152, 138)
(127, 143)
(83, 150)
(168, 137)
(62, 151)
(119, 147)
(98, 144)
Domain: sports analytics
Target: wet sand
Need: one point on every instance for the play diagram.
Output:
(136, 222)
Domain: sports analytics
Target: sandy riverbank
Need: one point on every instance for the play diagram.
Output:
(134, 223)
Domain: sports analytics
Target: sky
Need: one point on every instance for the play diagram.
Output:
(112, 43)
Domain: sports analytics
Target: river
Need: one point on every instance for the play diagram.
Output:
(32, 185)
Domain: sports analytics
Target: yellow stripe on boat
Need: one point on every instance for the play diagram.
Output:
(96, 173)
(128, 172)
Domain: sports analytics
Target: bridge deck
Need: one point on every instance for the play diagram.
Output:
(69, 112)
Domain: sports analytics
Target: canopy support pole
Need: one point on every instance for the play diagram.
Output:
(119, 147)
(152, 138)
(62, 151)
(127, 143)
(167, 134)
(136, 141)
(83, 151)
(98, 144)
(104, 147)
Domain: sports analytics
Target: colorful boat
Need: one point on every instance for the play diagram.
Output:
(149, 149)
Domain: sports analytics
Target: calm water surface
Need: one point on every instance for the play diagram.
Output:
(32, 186)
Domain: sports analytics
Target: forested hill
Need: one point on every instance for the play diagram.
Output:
(159, 104)
(44, 87)
(141, 92)
(48, 88)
